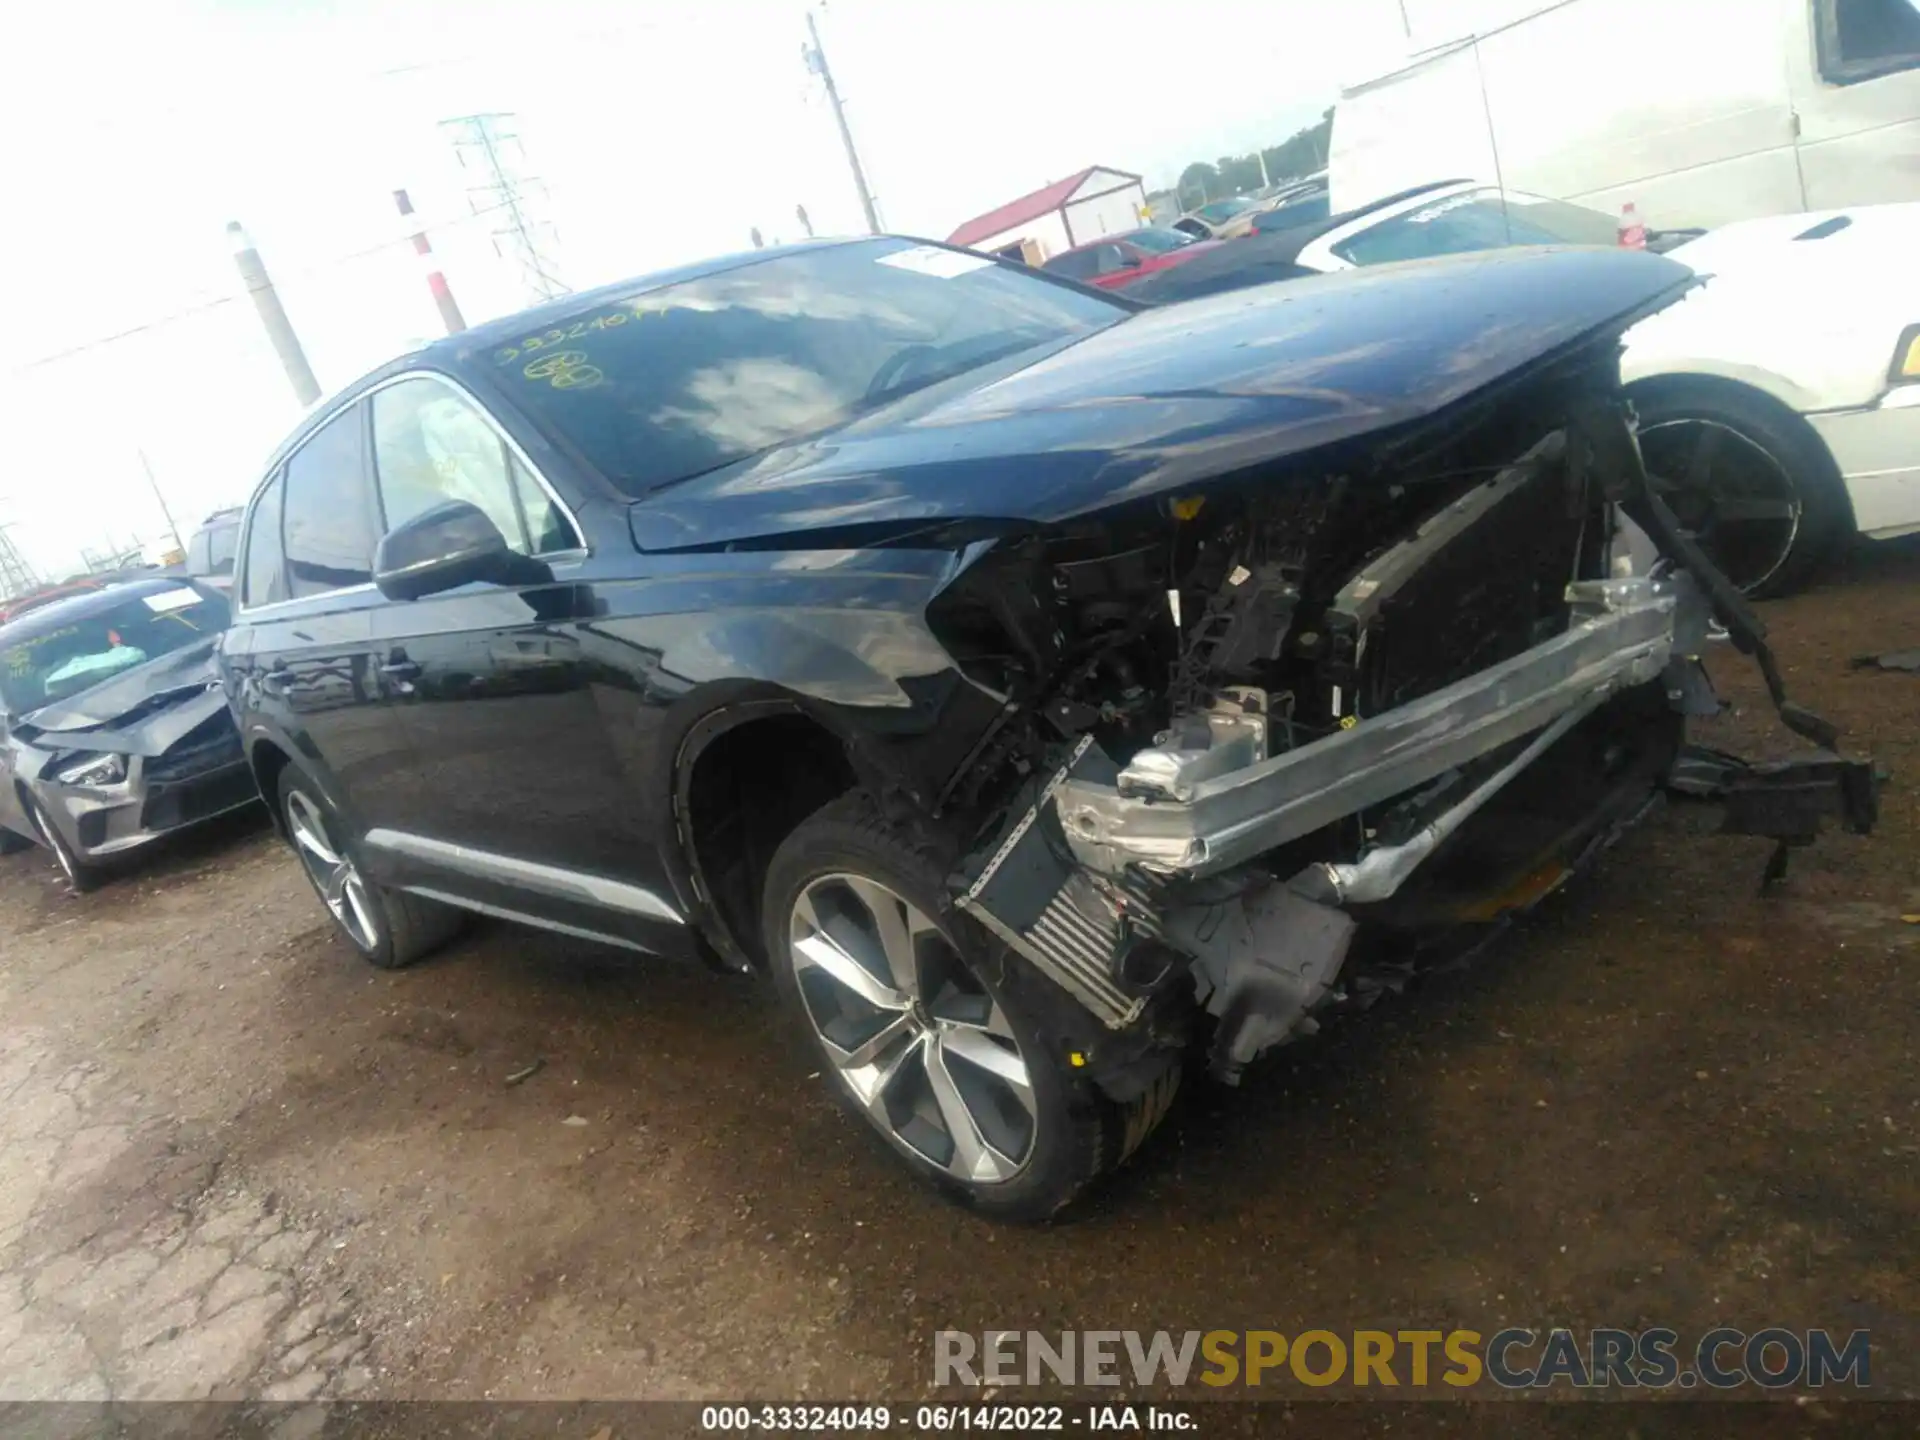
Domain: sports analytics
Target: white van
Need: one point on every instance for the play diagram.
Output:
(1696, 112)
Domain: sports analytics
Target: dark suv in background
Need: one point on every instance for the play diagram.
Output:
(211, 548)
(1036, 686)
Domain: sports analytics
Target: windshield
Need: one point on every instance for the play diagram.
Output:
(1156, 242)
(1477, 220)
(42, 664)
(1221, 210)
(660, 385)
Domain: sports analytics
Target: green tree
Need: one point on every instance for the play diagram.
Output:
(1199, 183)
(1301, 153)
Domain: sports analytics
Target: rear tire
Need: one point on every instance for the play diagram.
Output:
(12, 843)
(942, 1056)
(1757, 457)
(390, 928)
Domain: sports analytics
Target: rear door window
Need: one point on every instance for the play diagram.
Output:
(328, 530)
(1864, 39)
(265, 580)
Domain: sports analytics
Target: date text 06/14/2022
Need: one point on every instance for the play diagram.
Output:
(947, 1418)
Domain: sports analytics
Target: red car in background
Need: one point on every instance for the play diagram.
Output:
(1115, 261)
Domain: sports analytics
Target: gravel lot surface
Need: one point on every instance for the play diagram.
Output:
(239, 1162)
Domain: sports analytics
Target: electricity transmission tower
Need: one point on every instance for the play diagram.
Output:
(488, 142)
(16, 575)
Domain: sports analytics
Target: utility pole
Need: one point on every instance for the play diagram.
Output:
(816, 58)
(1261, 156)
(273, 316)
(486, 138)
(161, 500)
(1405, 24)
(450, 315)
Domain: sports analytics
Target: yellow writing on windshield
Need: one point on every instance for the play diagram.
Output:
(565, 370)
(532, 344)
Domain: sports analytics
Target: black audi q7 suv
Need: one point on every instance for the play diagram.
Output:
(1037, 688)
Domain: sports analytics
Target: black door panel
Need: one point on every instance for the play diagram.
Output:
(304, 668)
(315, 677)
(512, 757)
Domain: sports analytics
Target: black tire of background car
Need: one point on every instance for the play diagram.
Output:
(12, 843)
(1826, 518)
(1080, 1135)
(411, 928)
(80, 876)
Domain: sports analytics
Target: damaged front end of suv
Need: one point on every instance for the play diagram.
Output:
(1271, 742)
(1303, 734)
(1221, 668)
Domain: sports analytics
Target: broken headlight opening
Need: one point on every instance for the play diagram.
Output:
(90, 770)
(1264, 750)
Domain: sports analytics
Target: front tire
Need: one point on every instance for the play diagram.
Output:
(79, 875)
(926, 1023)
(1756, 488)
(390, 928)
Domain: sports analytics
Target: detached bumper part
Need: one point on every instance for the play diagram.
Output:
(1264, 960)
(1172, 813)
(1787, 801)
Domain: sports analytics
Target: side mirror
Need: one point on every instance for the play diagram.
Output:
(1129, 262)
(451, 545)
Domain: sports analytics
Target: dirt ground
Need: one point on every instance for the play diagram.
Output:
(239, 1162)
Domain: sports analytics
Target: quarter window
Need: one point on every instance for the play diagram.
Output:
(265, 580)
(1863, 39)
(1476, 220)
(328, 530)
(220, 543)
(431, 445)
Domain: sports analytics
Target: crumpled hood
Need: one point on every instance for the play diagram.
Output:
(1175, 396)
(141, 711)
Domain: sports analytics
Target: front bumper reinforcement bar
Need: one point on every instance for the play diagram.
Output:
(1623, 633)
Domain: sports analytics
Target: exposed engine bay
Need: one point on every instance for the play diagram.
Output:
(1273, 746)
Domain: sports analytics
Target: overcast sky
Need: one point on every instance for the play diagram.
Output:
(664, 130)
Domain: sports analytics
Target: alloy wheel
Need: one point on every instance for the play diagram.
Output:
(919, 1042)
(1729, 492)
(44, 824)
(333, 874)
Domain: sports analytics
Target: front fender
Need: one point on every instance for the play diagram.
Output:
(1638, 369)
